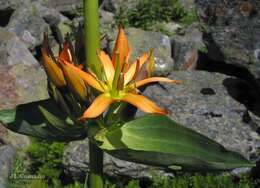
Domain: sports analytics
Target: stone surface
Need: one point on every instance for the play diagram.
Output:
(185, 48)
(76, 162)
(202, 102)
(28, 24)
(11, 4)
(187, 4)
(67, 7)
(22, 79)
(142, 41)
(116, 5)
(17, 141)
(7, 154)
(106, 17)
(233, 30)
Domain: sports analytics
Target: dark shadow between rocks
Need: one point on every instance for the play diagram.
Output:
(244, 92)
(5, 16)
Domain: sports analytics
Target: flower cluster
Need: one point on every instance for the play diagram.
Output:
(119, 80)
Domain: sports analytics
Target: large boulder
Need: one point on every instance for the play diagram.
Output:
(185, 48)
(119, 5)
(7, 154)
(22, 80)
(76, 163)
(233, 31)
(28, 24)
(142, 41)
(203, 103)
(11, 4)
(67, 7)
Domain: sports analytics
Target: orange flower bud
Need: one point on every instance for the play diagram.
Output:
(53, 71)
(74, 81)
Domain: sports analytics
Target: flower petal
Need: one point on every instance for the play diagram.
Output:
(98, 106)
(87, 78)
(75, 82)
(143, 103)
(65, 54)
(53, 71)
(122, 47)
(153, 79)
(132, 70)
(108, 65)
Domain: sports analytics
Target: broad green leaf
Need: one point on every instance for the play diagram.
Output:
(42, 119)
(157, 140)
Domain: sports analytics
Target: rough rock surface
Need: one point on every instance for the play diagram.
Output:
(76, 162)
(22, 79)
(116, 5)
(11, 4)
(202, 102)
(142, 41)
(185, 48)
(67, 7)
(27, 23)
(7, 154)
(233, 30)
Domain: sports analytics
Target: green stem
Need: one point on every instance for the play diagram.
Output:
(92, 35)
(91, 24)
(96, 166)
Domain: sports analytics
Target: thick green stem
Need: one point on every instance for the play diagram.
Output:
(92, 35)
(96, 166)
(91, 25)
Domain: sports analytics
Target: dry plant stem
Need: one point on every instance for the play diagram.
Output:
(91, 25)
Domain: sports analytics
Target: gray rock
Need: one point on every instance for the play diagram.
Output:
(142, 41)
(185, 48)
(11, 4)
(67, 7)
(116, 5)
(76, 162)
(22, 79)
(28, 24)
(7, 154)
(233, 28)
(202, 103)
(106, 18)
(187, 4)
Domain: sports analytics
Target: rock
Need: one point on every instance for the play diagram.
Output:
(11, 4)
(17, 141)
(106, 18)
(142, 41)
(7, 154)
(168, 28)
(76, 163)
(69, 8)
(187, 4)
(202, 102)
(115, 5)
(185, 48)
(28, 24)
(22, 79)
(233, 30)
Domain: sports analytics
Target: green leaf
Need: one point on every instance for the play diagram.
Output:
(157, 140)
(42, 119)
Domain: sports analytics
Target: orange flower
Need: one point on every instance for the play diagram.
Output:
(118, 82)
(59, 74)
(52, 69)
